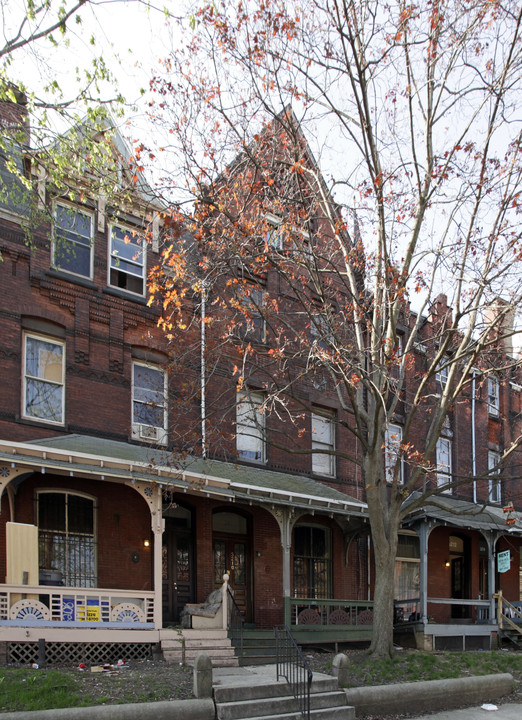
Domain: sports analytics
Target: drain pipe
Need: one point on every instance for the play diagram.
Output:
(203, 372)
(473, 439)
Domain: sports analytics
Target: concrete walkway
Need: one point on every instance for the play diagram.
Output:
(505, 712)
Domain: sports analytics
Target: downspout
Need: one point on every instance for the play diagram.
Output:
(203, 373)
(473, 440)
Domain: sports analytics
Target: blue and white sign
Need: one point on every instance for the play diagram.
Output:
(503, 561)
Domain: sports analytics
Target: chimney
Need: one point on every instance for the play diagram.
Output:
(500, 316)
(14, 117)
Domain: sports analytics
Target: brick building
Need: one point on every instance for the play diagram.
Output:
(111, 522)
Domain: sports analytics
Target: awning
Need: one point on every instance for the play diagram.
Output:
(464, 514)
(88, 456)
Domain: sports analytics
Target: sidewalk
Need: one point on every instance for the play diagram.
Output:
(505, 712)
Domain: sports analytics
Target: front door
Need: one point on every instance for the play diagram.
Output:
(231, 551)
(459, 560)
(178, 575)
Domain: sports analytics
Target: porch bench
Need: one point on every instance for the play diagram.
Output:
(207, 615)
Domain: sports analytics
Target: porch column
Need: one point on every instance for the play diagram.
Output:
(492, 543)
(286, 519)
(153, 496)
(158, 526)
(423, 551)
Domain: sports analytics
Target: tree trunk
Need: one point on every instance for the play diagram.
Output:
(383, 511)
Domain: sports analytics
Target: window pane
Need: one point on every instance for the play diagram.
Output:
(51, 511)
(148, 415)
(126, 246)
(44, 359)
(43, 400)
(73, 257)
(148, 396)
(72, 223)
(80, 514)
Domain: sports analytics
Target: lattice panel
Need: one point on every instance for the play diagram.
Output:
(63, 653)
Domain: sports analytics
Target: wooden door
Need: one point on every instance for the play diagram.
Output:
(232, 554)
(178, 572)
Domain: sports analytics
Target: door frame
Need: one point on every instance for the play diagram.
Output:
(229, 538)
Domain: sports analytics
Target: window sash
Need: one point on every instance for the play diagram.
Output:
(494, 486)
(72, 249)
(250, 443)
(443, 462)
(493, 396)
(148, 395)
(126, 256)
(392, 443)
(323, 438)
(43, 383)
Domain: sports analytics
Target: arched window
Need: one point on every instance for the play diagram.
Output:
(66, 539)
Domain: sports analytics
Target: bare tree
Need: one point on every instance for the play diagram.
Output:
(414, 111)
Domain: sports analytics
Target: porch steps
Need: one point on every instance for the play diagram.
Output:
(185, 645)
(275, 701)
(259, 648)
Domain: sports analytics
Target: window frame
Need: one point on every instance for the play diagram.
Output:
(494, 479)
(493, 396)
(389, 461)
(444, 477)
(442, 373)
(273, 232)
(139, 429)
(66, 533)
(328, 420)
(87, 213)
(25, 376)
(131, 232)
(255, 430)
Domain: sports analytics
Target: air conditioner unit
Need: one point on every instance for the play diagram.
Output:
(147, 432)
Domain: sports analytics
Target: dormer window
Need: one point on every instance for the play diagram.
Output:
(126, 259)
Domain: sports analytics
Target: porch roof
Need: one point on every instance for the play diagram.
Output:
(464, 514)
(118, 460)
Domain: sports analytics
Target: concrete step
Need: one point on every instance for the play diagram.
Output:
(277, 706)
(245, 660)
(340, 713)
(258, 650)
(229, 660)
(231, 693)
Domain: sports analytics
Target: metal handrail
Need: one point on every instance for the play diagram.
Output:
(236, 624)
(292, 665)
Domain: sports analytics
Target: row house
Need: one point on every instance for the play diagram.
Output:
(124, 500)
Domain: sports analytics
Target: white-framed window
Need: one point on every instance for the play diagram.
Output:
(407, 577)
(273, 232)
(149, 403)
(495, 494)
(126, 259)
(444, 473)
(323, 438)
(250, 427)
(72, 246)
(43, 392)
(493, 396)
(441, 373)
(66, 538)
(392, 446)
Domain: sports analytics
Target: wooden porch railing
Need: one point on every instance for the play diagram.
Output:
(327, 612)
(508, 614)
(30, 604)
